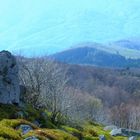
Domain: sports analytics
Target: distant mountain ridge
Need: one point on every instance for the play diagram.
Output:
(129, 48)
(90, 55)
(130, 44)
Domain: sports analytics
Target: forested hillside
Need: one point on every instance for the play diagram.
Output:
(97, 93)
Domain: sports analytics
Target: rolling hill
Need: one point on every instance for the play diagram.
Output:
(95, 54)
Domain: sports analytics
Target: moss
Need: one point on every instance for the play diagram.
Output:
(45, 120)
(53, 134)
(90, 129)
(9, 133)
(90, 132)
(27, 113)
(72, 131)
(42, 116)
(9, 121)
(13, 123)
(90, 138)
(33, 133)
(31, 114)
(120, 138)
(8, 128)
(11, 112)
(50, 125)
(1, 138)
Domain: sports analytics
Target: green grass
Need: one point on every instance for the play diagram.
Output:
(8, 128)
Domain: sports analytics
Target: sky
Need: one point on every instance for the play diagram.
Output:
(38, 26)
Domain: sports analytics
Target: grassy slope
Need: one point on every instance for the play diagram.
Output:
(8, 127)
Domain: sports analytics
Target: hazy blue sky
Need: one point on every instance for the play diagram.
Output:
(53, 25)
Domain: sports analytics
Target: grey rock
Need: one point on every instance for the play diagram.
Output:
(116, 132)
(25, 128)
(9, 82)
(124, 132)
(102, 137)
(32, 138)
(110, 127)
(132, 138)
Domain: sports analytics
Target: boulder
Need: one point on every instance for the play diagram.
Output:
(9, 81)
(110, 127)
(25, 128)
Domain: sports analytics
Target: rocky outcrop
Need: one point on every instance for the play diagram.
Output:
(9, 82)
